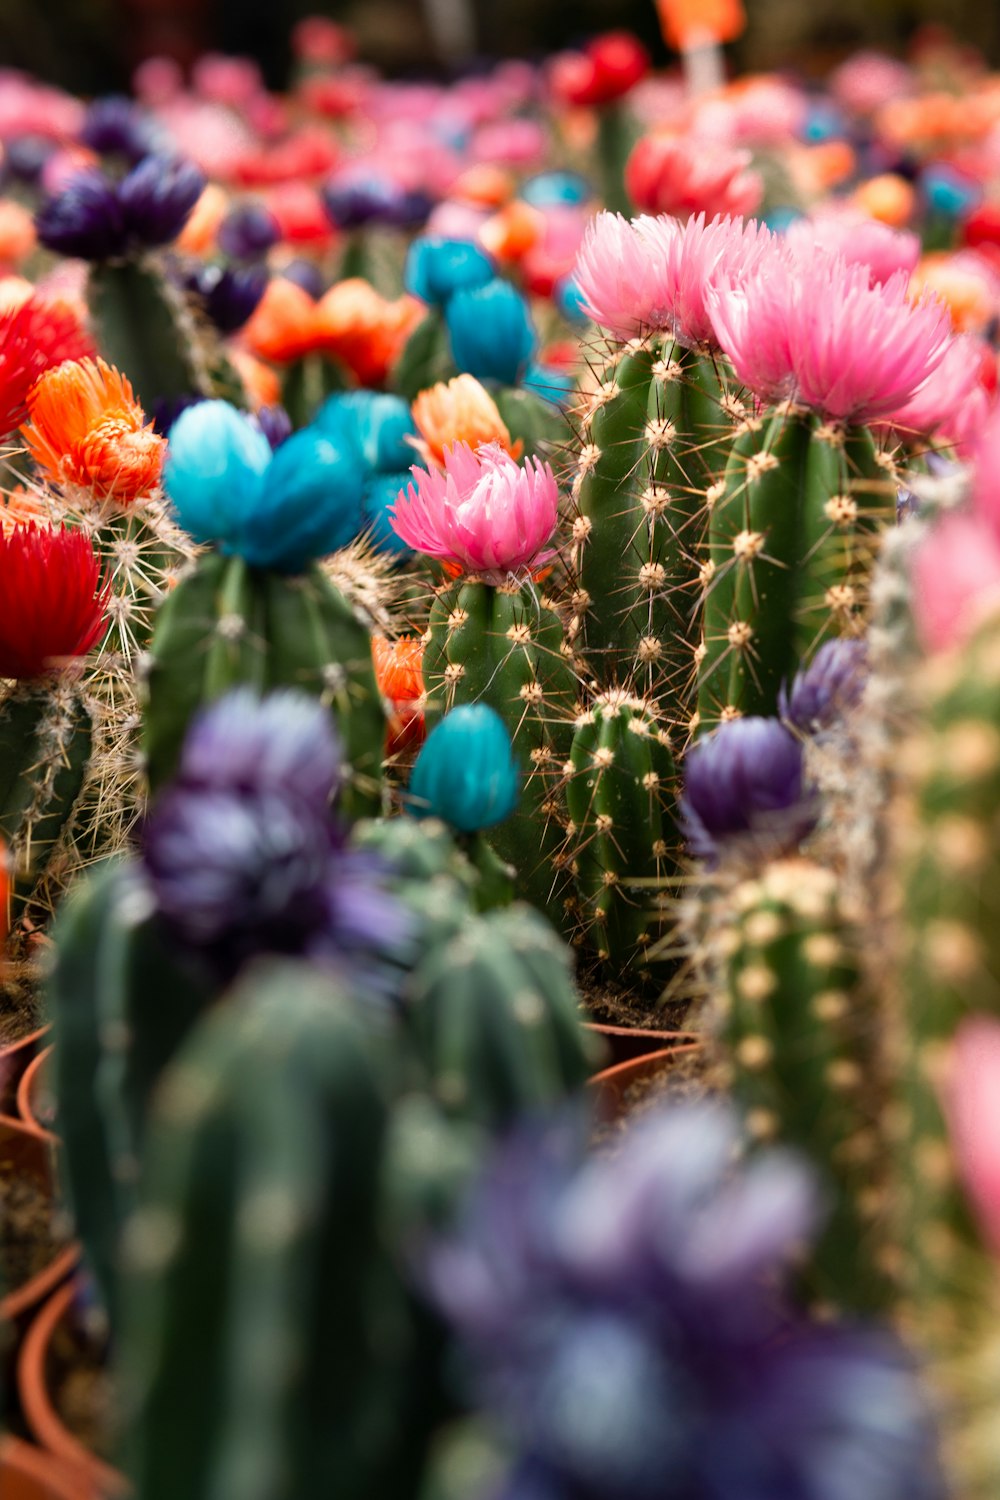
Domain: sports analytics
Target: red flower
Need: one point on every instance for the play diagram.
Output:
(33, 338)
(52, 603)
(605, 71)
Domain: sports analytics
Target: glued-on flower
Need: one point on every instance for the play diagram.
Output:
(52, 602)
(459, 411)
(466, 773)
(485, 512)
(87, 429)
(33, 338)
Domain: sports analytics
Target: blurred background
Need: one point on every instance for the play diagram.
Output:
(91, 46)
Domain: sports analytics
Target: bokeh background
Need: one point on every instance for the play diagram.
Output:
(90, 46)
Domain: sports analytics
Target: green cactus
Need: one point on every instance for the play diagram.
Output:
(620, 792)
(263, 1319)
(504, 646)
(793, 534)
(227, 624)
(45, 750)
(426, 855)
(120, 1008)
(495, 1019)
(798, 1050)
(653, 441)
(538, 425)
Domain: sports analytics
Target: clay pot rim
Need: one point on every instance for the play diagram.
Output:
(15, 1056)
(22, 1461)
(24, 1297)
(39, 1413)
(618, 1071)
(26, 1087)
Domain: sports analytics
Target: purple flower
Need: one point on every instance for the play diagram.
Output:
(84, 219)
(248, 231)
(307, 275)
(284, 742)
(355, 199)
(114, 126)
(275, 423)
(828, 688)
(229, 294)
(166, 409)
(626, 1321)
(25, 156)
(744, 791)
(157, 196)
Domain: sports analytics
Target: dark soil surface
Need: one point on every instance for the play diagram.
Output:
(32, 1231)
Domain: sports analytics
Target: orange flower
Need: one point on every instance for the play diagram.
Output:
(363, 330)
(260, 382)
(459, 411)
(283, 326)
(483, 184)
(400, 681)
(198, 235)
(965, 285)
(87, 429)
(889, 198)
(17, 232)
(511, 233)
(21, 505)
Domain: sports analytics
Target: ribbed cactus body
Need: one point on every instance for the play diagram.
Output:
(496, 1020)
(504, 646)
(792, 538)
(145, 328)
(263, 1320)
(799, 1052)
(45, 749)
(653, 442)
(538, 425)
(227, 624)
(620, 792)
(120, 1008)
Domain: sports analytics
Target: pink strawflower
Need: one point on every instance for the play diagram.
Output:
(859, 239)
(684, 175)
(971, 1100)
(816, 331)
(615, 274)
(956, 580)
(485, 512)
(952, 404)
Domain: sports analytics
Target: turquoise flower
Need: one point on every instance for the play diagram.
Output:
(436, 269)
(381, 491)
(466, 773)
(214, 470)
(491, 332)
(379, 424)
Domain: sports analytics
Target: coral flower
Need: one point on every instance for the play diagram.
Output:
(283, 324)
(17, 233)
(33, 338)
(87, 429)
(682, 175)
(952, 403)
(487, 513)
(859, 239)
(459, 411)
(965, 283)
(818, 332)
(364, 330)
(51, 600)
(398, 672)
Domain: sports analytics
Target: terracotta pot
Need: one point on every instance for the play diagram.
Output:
(26, 1473)
(95, 1479)
(33, 1107)
(25, 1149)
(625, 1042)
(14, 1058)
(613, 1084)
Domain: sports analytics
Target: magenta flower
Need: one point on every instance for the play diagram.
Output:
(951, 403)
(817, 331)
(956, 580)
(485, 512)
(859, 239)
(615, 274)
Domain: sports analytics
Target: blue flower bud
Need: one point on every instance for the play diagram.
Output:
(380, 424)
(948, 192)
(436, 269)
(307, 275)
(466, 773)
(382, 491)
(491, 332)
(275, 423)
(230, 294)
(308, 505)
(550, 189)
(214, 470)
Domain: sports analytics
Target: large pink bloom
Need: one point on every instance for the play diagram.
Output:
(615, 274)
(485, 512)
(683, 175)
(816, 331)
(972, 1106)
(859, 239)
(952, 403)
(956, 580)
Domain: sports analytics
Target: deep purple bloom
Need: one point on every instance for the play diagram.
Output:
(284, 742)
(307, 275)
(626, 1319)
(275, 423)
(25, 156)
(828, 688)
(84, 219)
(115, 126)
(157, 196)
(165, 410)
(229, 294)
(248, 231)
(355, 199)
(744, 791)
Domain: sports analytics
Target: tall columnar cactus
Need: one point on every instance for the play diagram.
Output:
(228, 624)
(798, 1048)
(495, 1019)
(622, 840)
(654, 441)
(503, 645)
(793, 535)
(262, 1315)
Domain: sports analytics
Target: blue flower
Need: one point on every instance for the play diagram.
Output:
(466, 773)
(285, 741)
(828, 688)
(745, 792)
(626, 1318)
(550, 189)
(307, 275)
(491, 332)
(552, 384)
(436, 269)
(380, 424)
(308, 505)
(382, 491)
(214, 470)
(157, 196)
(948, 192)
(353, 200)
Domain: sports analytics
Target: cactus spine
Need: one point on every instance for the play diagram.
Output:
(620, 790)
(227, 624)
(792, 537)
